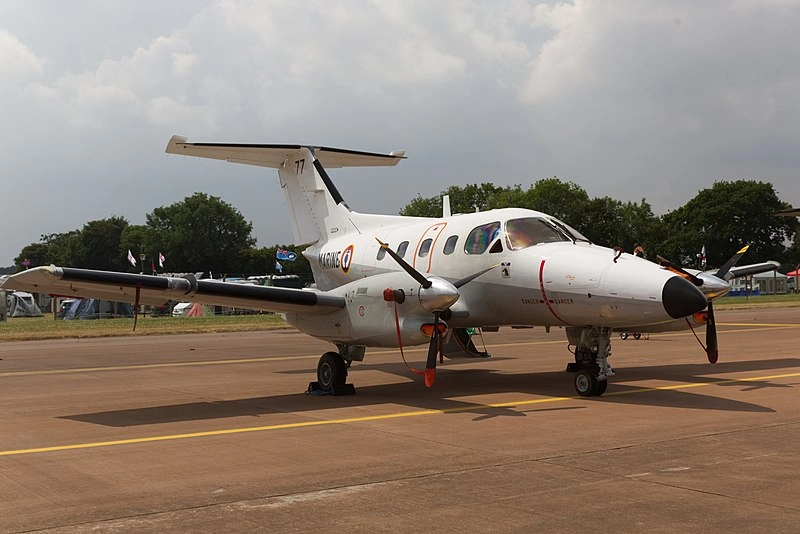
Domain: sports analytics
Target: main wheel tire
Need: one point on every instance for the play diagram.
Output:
(585, 383)
(601, 387)
(637, 335)
(331, 371)
(623, 335)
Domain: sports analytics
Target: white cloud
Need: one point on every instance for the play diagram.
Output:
(18, 63)
(182, 64)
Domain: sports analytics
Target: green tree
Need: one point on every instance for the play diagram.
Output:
(466, 199)
(98, 245)
(36, 253)
(423, 207)
(138, 239)
(201, 232)
(62, 249)
(725, 217)
(563, 200)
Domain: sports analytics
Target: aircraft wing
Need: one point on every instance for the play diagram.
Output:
(753, 268)
(157, 290)
(276, 156)
(791, 212)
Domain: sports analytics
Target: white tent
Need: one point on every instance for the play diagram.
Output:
(21, 304)
(3, 305)
(770, 283)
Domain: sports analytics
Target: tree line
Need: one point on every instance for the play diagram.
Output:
(721, 218)
(205, 233)
(199, 233)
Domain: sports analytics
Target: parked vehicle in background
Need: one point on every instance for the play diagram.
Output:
(64, 307)
(182, 309)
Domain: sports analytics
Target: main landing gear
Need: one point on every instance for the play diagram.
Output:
(591, 368)
(332, 376)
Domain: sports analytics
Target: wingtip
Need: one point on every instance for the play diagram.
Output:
(173, 143)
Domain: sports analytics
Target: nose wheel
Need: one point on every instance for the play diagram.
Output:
(588, 385)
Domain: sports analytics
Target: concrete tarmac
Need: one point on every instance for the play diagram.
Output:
(214, 433)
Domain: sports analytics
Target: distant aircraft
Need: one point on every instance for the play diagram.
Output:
(791, 212)
(389, 281)
(713, 284)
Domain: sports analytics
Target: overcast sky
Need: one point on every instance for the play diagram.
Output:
(630, 99)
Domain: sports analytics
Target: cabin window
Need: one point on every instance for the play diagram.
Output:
(523, 233)
(401, 250)
(425, 248)
(450, 244)
(381, 252)
(479, 238)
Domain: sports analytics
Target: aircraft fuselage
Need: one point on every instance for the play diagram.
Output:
(562, 280)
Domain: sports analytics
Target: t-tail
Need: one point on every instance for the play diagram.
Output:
(317, 209)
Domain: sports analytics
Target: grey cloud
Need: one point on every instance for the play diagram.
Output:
(629, 99)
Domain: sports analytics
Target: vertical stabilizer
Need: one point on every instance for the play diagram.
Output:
(317, 208)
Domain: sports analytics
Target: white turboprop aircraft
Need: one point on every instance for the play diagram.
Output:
(389, 281)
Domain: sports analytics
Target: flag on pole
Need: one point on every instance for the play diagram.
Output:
(278, 267)
(161, 260)
(286, 255)
(131, 258)
(703, 258)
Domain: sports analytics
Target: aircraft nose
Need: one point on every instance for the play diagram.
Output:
(681, 298)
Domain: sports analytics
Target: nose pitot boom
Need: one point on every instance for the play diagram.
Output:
(681, 298)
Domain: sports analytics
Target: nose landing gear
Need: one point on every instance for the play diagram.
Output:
(591, 367)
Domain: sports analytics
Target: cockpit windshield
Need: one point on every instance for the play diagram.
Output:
(573, 233)
(528, 231)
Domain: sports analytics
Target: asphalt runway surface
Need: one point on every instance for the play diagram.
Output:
(214, 433)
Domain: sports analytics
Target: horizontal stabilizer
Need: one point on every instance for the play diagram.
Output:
(157, 290)
(278, 156)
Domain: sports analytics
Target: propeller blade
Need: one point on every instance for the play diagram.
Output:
(731, 262)
(711, 336)
(679, 270)
(433, 350)
(415, 274)
(470, 278)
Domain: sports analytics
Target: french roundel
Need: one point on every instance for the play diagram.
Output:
(347, 259)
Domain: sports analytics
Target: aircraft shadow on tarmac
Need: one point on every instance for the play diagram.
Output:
(455, 383)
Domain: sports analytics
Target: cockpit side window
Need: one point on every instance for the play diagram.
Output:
(481, 237)
(381, 253)
(529, 231)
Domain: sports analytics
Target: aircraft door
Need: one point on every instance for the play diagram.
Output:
(423, 252)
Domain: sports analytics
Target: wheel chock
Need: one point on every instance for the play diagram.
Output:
(346, 389)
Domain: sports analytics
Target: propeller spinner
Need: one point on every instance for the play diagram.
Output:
(435, 295)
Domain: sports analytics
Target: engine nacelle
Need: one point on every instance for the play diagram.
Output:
(370, 319)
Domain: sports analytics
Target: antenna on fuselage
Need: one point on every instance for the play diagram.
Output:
(446, 206)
